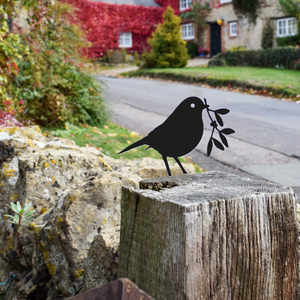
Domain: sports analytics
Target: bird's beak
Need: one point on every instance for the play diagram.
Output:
(206, 106)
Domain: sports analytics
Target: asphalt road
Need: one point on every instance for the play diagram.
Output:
(266, 144)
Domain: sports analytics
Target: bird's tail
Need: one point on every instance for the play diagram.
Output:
(134, 145)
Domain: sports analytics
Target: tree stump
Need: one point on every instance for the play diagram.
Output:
(210, 236)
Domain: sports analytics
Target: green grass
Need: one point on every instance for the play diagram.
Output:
(274, 78)
(109, 139)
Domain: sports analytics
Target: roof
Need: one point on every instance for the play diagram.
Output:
(131, 2)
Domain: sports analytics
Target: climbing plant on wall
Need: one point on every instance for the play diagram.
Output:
(267, 35)
(197, 14)
(103, 23)
(248, 8)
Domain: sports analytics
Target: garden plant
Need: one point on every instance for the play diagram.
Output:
(22, 216)
(43, 70)
(168, 49)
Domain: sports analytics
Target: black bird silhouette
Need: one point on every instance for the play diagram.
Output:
(182, 132)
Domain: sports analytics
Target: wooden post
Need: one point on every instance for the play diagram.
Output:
(210, 236)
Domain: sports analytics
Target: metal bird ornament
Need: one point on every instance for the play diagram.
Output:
(182, 131)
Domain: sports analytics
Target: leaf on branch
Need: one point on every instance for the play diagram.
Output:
(219, 119)
(14, 207)
(223, 139)
(209, 147)
(27, 207)
(29, 213)
(17, 218)
(12, 222)
(227, 131)
(19, 206)
(9, 216)
(218, 144)
(222, 111)
(28, 220)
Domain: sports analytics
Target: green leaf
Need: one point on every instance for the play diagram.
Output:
(19, 206)
(27, 207)
(9, 216)
(29, 213)
(14, 207)
(12, 222)
(17, 218)
(27, 220)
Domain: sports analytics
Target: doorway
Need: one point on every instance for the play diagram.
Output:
(215, 39)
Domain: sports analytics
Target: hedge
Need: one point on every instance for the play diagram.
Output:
(292, 40)
(267, 58)
(214, 82)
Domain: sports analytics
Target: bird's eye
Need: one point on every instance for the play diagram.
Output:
(193, 105)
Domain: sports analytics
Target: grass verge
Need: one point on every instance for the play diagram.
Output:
(252, 80)
(109, 139)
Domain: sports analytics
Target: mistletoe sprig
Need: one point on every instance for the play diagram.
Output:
(222, 133)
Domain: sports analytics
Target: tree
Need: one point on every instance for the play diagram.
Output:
(168, 49)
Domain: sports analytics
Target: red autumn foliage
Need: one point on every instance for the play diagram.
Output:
(103, 23)
(173, 3)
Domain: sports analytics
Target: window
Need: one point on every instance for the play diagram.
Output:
(125, 40)
(286, 27)
(185, 4)
(232, 29)
(188, 31)
(225, 1)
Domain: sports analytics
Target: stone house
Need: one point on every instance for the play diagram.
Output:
(236, 29)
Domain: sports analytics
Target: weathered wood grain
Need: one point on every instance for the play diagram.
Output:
(210, 236)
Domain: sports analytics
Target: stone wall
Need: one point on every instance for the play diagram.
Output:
(73, 243)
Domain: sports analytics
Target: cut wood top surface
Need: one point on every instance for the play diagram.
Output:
(208, 186)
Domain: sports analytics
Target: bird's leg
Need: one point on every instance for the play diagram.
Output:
(167, 165)
(180, 165)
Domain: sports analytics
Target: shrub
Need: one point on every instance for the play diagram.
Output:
(292, 40)
(168, 49)
(137, 60)
(217, 63)
(62, 94)
(267, 35)
(192, 49)
(116, 56)
(268, 58)
(297, 64)
(11, 50)
(50, 85)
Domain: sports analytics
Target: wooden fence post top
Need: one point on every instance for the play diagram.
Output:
(210, 186)
(210, 236)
